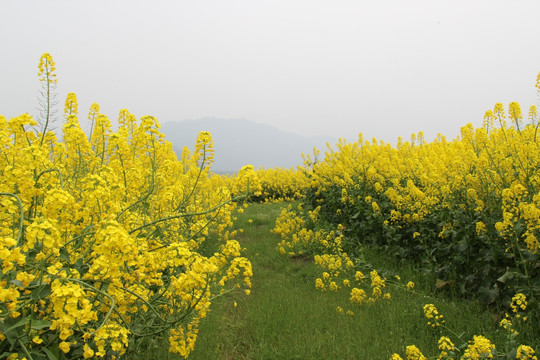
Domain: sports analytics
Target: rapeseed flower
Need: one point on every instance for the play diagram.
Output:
(519, 303)
(358, 296)
(479, 348)
(525, 352)
(432, 314)
(413, 353)
(445, 346)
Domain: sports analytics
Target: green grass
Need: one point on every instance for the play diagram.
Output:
(285, 317)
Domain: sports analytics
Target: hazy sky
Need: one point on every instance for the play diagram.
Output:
(383, 67)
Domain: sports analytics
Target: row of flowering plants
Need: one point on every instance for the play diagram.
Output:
(468, 210)
(100, 235)
(278, 184)
(268, 185)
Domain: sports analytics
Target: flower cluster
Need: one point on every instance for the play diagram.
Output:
(432, 314)
(302, 236)
(479, 347)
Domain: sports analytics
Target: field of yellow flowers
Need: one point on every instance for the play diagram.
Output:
(99, 234)
(103, 235)
(468, 209)
(465, 211)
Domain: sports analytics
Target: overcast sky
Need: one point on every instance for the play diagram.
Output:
(386, 68)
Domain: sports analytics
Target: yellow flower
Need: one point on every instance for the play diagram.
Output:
(46, 69)
(519, 302)
(480, 228)
(515, 114)
(319, 284)
(87, 352)
(413, 353)
(71, 107)
(480, 348)
(64, 346)
(432, 314)
(525, 352)
(445, 345)
(507, 325)
(358, 296)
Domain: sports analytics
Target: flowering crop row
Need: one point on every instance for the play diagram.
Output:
(268, 185)
(279, 184)
(468, 209)
(100, 237)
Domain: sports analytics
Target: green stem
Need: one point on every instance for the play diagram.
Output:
(47, 107)
(201, 168)
(48, 171)
(25, 350)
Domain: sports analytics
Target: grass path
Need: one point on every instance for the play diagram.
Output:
(285, 317)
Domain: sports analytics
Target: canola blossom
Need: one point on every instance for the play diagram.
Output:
(101, 235)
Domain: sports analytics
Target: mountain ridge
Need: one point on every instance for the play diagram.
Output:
(238, 142)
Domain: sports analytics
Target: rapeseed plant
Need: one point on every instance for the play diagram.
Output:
(100, 234)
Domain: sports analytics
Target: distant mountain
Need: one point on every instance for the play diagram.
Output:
(240, 142)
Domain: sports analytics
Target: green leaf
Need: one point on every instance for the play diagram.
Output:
(19, 323)
(17, 283)
(508, 275)
(512, 354)
(50, 354)
(64, 254)
(40, 324)
(10, 333)
(486, 295)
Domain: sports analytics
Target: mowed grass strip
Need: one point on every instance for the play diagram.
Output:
(285, 317)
